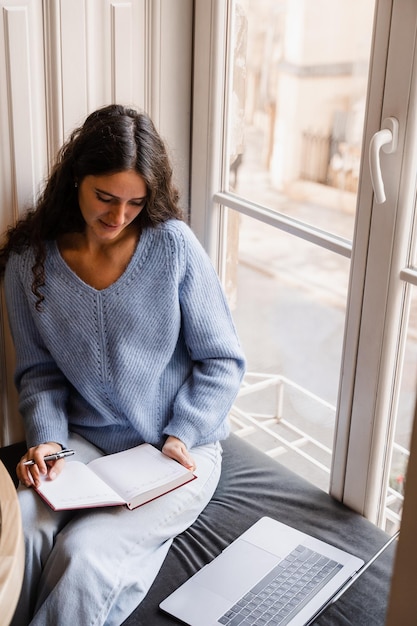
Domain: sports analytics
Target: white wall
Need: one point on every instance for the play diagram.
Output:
(60, 60)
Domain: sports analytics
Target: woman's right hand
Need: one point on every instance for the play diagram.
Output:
(30, 474)
(177, 450)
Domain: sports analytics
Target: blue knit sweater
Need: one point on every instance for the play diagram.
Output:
(154, 354)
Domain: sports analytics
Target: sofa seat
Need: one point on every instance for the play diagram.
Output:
(253, 485)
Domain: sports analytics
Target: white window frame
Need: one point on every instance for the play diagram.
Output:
(378, 323)
(209, 106)
(367, 397)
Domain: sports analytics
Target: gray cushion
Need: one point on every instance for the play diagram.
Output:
(253, 485)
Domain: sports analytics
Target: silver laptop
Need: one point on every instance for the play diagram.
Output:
(271, 575)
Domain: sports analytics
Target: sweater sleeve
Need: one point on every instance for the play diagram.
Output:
(43, 390)
(203, 402)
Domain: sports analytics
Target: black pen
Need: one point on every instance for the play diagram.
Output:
(53, 457)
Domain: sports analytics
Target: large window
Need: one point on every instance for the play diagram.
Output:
(308, 258)
(297, 92)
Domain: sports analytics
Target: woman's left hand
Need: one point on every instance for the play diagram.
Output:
(176, 449)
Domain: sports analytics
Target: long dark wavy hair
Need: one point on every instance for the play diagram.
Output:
(112, 139)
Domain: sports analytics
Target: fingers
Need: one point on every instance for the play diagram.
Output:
(55, 468)
(31, 474)
(176, 449)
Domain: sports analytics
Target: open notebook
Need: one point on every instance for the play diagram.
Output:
(271, 575)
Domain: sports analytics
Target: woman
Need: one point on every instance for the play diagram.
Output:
(122, 336)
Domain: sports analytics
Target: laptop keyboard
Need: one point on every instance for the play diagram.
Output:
(282, 593)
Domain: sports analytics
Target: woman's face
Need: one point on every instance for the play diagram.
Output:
(109, 203)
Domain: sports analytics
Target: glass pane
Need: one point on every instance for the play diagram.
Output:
(297, 92)
(289, 310)
(403, 423)
(297, 103)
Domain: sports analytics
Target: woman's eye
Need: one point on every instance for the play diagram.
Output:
(103, 198)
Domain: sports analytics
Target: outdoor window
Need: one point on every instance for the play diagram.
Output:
(310, 262)
(297, 92)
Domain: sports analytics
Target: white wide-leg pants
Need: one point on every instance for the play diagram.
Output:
(93, 567)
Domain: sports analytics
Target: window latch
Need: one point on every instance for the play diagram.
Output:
(387, 140)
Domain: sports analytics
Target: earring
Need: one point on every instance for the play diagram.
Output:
(76, 184)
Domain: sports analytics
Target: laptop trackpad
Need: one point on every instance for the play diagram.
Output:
(249, 560)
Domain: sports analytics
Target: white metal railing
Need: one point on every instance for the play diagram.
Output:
(394, 498)
(287, 437)
(247, 422)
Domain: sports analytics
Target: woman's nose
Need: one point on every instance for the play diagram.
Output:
(117, 214)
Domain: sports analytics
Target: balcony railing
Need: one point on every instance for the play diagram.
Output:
(276, 435)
